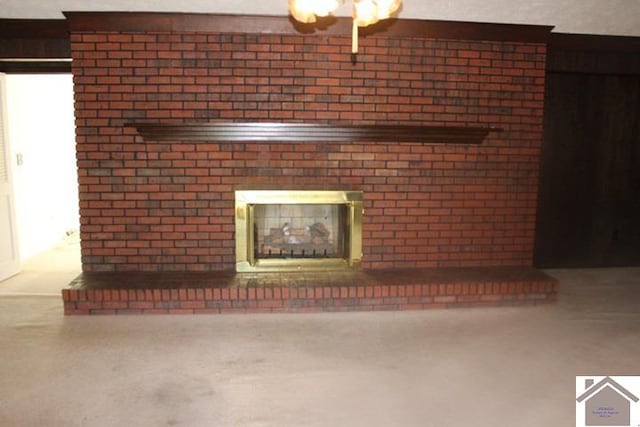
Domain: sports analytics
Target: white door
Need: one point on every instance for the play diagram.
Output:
(9, 261)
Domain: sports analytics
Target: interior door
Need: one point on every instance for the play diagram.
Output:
(9, 261)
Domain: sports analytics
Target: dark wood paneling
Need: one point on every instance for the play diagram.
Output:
(34, 46)
(569, 61)
(594, 43)
(34, 28)
(589, 205)
(34, 38)
(190, 22)
(589, 199)
(577, 53)
(312, 133)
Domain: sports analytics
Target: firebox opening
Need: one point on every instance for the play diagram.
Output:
(300, 231)
(297, 230)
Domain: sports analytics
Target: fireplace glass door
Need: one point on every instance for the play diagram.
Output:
(297, 230)
(300, 231)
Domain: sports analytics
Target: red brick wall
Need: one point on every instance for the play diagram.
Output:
(168, 206)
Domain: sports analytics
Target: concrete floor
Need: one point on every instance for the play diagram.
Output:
(479, 367)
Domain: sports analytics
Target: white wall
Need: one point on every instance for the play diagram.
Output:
(42, 132)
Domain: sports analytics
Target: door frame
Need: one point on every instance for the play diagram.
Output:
(10, 266)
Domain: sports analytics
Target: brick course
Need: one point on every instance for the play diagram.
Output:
(168, 206)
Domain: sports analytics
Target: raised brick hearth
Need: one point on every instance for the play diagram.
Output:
(412, 289)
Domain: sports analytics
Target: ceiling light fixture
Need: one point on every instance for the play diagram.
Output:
(364, 13)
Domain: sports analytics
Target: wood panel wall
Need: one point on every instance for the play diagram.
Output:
(589, 200)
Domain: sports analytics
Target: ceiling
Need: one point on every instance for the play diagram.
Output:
(605, 17)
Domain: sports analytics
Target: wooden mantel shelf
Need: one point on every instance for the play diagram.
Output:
(303, 132)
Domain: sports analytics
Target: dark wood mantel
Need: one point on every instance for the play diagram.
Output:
(303, 132)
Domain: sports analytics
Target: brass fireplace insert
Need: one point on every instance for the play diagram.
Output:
(294, 230)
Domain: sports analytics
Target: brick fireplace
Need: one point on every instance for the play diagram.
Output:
(165, 203)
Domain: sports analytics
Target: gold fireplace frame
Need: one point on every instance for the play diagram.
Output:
(245, 200)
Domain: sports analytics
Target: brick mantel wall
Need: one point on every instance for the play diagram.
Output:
(168, 205)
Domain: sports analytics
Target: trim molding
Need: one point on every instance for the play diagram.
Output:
(195, 22)
(35, 66)
(310, 133)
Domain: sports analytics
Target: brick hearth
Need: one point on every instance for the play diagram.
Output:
(412, 289)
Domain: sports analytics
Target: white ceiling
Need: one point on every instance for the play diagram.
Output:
(612, 17)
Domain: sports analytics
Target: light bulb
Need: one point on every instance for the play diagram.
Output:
(365, 12)
(325, 7)
(386, 8)
(302, 11)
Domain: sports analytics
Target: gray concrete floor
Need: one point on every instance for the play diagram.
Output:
(476, 367)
